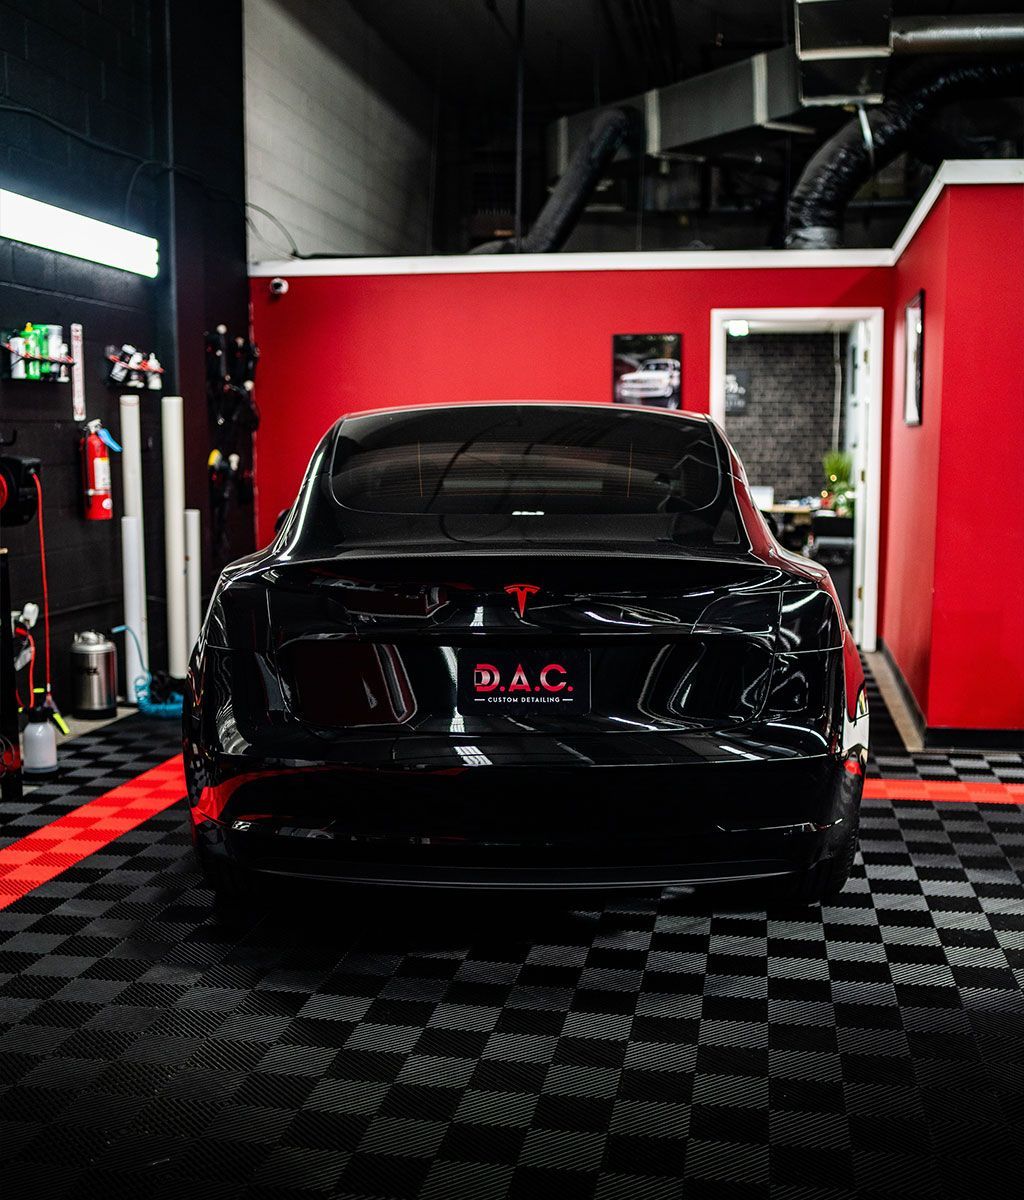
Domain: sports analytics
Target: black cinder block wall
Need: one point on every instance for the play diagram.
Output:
(129, 111)
(788, 422)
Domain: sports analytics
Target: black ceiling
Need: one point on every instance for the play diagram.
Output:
(582, 52)
(578, 51)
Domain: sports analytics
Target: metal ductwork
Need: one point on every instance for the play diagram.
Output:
(875, 137)
(844, 46)
(759, 92)
(855, 38)
(608, 131)
(958, 35)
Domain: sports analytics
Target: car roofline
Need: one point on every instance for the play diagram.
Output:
(673, 414)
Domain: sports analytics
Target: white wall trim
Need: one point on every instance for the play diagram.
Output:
(779, 320)
(506, 264)
(957, 172)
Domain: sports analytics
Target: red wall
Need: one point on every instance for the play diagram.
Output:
(977, 662)
(951, 594)
(409, 339)
(913, 475)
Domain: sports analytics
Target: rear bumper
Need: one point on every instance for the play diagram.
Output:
(530, 827)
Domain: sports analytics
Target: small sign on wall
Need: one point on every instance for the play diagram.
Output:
(913, 350)
(737, 391)
(77, 375)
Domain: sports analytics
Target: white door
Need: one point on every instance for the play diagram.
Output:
(858, 400)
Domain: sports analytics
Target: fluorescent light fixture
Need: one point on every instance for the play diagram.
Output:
(52, 228)
(737, 328)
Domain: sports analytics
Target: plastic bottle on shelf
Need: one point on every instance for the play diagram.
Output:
(17, 345)
(54, 348)
(135, 379)
(32, 365)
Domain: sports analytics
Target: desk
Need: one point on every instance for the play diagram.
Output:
(801, 510)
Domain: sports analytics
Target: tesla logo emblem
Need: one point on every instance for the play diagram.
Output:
(522, 593)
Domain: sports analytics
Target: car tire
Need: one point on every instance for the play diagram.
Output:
(825, 880)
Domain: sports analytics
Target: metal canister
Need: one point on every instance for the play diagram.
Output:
(93, 675)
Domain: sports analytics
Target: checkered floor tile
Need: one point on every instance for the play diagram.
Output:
(633, 1047)
(891, 760)
(89, 767)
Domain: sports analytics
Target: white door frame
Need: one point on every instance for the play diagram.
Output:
(793, 320)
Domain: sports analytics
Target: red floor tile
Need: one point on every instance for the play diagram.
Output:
(45, 853)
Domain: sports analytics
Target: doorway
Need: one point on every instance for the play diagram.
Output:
(842, 347)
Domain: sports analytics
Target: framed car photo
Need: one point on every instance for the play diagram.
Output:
(647, 369)
(913, 357)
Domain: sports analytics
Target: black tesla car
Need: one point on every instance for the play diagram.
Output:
(525, 645)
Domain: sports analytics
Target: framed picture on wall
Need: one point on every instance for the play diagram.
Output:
(913, 355)
(647, 369)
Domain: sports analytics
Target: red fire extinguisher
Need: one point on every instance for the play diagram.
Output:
(96, 444)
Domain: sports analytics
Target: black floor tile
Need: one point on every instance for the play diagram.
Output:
(631, 1046)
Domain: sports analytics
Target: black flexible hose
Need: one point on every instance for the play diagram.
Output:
(558, 217)
(814, 216)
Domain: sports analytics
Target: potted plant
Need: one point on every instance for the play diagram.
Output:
(837, 493)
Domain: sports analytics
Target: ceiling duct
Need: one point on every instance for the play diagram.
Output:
(762, 91)
(989, 34)
(844, 46)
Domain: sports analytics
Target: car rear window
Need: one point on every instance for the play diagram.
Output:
(537, 459)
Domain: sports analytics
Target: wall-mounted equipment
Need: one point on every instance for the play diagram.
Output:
(132, 368)
(19, 499)
(94, 446)
(10, 745)
(36, 352)
(37, 224)
(230, 380)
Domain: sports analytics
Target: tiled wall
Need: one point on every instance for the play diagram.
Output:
(337, 134)
(788, 422)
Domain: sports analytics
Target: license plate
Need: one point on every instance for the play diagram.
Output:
(521, 681)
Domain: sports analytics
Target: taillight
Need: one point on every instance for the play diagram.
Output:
(238, 618)
(808, 620)
(756, 615)
(338, 682)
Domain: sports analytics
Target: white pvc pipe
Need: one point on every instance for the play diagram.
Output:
(172, 414)
(131, 476)
(134, 599)
(193, 576)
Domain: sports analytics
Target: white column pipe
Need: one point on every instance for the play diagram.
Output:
(131, 476)
(193, 577)
(134, 599)
(172, 415)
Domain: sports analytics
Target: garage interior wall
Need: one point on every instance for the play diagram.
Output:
(121, 74)
(953, 619)
(547, 335)
(337, 134)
